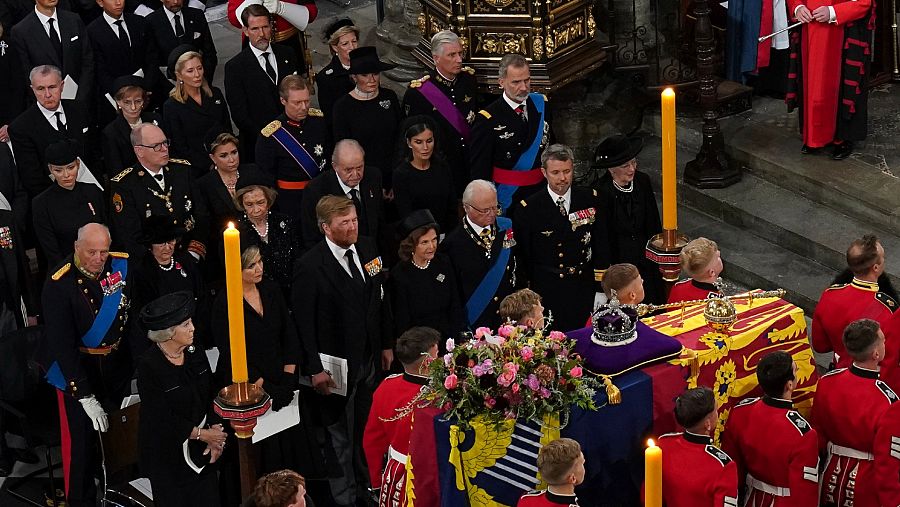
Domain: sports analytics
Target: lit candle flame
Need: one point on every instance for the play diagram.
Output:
(651, 443)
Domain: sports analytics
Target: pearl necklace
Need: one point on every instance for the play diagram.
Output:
(261, 235)
(365, 95)
(427, 263)
(237, 175)
(170, 266)
(174, 357)
(627, 189)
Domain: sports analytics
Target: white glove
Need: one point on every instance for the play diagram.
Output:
(599, 299)
(197, 4)
(271, 5)
(93, 410)
(142, 10)
(297, 15)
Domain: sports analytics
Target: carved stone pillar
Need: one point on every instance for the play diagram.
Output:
(399, 35)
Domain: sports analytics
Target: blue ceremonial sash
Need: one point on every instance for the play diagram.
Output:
(297, 152)
(102, 322)
(479, 299)
(526, 159)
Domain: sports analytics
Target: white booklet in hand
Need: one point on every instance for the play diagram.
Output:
(70, 88)
(273, 422)
(337, 368)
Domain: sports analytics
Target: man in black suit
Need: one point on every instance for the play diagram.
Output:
(561, 242)
(339, 291)
(350, 178)
(253, 75)
(482, 243)
(509, 135)
(121, 48)
(171, 26)
(51, 36)
(50, 120)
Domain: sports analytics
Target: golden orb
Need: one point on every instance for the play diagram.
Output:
(720, 314)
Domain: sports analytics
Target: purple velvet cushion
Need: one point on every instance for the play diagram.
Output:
(650, 347)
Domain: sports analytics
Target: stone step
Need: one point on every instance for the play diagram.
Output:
(767, 145)
(778, 215)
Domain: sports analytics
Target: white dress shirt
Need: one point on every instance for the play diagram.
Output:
(347, 189)
(475, 227)
(115, 28)
(262, 60)
(51, 115)
(171, 16)
(567, 197)
(513, 104)
(339, 254)
(43, 19)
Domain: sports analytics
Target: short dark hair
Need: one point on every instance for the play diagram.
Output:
(774, 370)
(414, 342)
(291, 82)
(255, 10)
(277, 489)
(693, 406)
(862, 254)
(859, 338)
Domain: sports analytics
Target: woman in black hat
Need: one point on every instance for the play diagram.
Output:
(131, 101)
(423, 285)
(193, 109)
(333, 81)
(369, 113)
(423, 180)
(164, 269)
(277, 234)
(629, 208)
(175, 384)
(214, 195)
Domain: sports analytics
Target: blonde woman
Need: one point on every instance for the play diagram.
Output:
(702, 262)
(193, 109)
(333, 81)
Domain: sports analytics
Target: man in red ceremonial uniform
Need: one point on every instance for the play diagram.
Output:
(850, 408)
(835, 58)
(841, 304)
(695, 472)
(291, 19)
(887, 456)
(775, 448)
(561, 465)
(389, 426)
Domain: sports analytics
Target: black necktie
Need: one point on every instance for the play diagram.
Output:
(269, 69)
(357, 276)
(159, 179)
(60, 126)
(520, 110)
(179, 28)
(360, 211)
(55, 40)
(123, 35)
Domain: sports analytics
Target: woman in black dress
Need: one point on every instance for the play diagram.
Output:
(423, 286)
(214, 196)
(369, 113)
(333, 81)
(423, 180)
(277, 234)
(164, 269)
(193, 109)
(628, 205)
(175, 385)
(131, 100)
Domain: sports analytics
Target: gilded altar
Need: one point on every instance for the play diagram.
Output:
(557, 37)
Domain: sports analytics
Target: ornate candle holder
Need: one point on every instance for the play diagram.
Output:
(242, 404)
(664, 249)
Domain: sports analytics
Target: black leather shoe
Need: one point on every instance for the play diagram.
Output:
(842, 151)
(806, 150)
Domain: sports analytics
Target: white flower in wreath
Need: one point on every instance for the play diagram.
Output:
(385, 104)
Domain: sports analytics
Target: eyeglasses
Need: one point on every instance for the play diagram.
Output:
(157, 146)
(487, 211)
(133, 104)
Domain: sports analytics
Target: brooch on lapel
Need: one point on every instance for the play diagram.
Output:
(385, 104)
(329, 72)
(582, 217)
(373, 267)
(218, 101)
(508, 240)
(440, 277)
(180, 269)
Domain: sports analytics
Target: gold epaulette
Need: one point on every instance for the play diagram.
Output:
(545, 97)
(523, 203)
(120, 255)
(121, 175)
(270, 129)
(61, 271)
(485, 114)
(598, 275)
(468, 69)
(180, 161)
(415, 83)
(838, 286)
(315, 112)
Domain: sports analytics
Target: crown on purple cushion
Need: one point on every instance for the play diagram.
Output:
(614, 324)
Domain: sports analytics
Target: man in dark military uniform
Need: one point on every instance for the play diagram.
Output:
(509, 135)
(480, 250)
(841, 304)
(156, 185)
(561, 244)
(449, 95)
(86, 302)
(294, 147)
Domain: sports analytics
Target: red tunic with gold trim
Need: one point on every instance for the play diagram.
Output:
(776, 451)
(546, 498)
(887, 456)
(690, 290)
(842, 304)
(850, 406)
(391, 437)
(696, 473)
